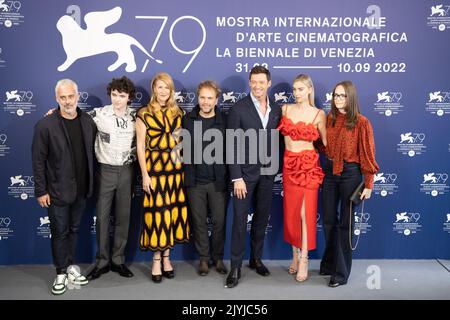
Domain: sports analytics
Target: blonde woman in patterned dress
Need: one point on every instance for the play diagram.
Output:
(165, 211)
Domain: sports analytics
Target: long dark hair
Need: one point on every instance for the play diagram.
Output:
(352, 106)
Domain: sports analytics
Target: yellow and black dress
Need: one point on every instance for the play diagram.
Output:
(165, 210)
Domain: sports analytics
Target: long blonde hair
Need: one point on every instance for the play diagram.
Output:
(171, 105)
(307, 81)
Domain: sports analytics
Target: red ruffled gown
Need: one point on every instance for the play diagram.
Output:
(302, 176)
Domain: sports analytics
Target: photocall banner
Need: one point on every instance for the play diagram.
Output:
(395, 52)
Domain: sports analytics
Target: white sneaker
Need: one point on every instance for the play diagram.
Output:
(60, 284)
(75, 277)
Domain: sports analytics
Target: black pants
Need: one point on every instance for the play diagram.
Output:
(201, 197)
(337, 258)
(113, 184)
(64, 226)
(260, 192)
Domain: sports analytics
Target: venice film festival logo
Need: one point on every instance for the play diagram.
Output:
(278, 185)
(447, 223)
(384, 184)
(250, 220)
(81, 43)
(407, 223)
(439, 17)
(388, 103)
(137, 102)
(19, 102)
(93, 226)
(43, 228)
(4, 148)
(411, 143)
(229, 98)
(362, 223)
(83, 101)
(185, 99)
(434, 184)
(438, 102)
(10, 13)
(284, 97)
(6, 230)
(326, 105)
(319, 224)
(21, 187)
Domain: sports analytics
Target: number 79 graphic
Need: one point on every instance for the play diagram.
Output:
(164, 19)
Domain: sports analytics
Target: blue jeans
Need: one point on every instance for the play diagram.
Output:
(337, 258)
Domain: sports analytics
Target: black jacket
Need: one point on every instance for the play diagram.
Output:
(52, 156)
(220, 170)
(243, 115)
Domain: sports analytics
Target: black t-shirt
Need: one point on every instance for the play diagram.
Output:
(79, 154)
(204, 173)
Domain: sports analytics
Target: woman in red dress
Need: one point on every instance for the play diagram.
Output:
(301, 124)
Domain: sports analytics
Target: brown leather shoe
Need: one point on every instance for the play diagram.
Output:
(220, 267)
(203, 268)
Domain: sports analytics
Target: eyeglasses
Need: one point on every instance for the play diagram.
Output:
(339, 96)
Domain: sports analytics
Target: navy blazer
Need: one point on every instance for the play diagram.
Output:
(243, 115)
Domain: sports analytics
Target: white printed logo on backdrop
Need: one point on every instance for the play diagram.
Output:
(138, 101)
(283, 97)
(21, 186)
(434, 183)
(185, 99)
(326, 105)
(384, 184)
(6, 228)
(79, 43)
(438, 17)
(388, 103)
(10, 13)
(278, 185)
(4, 148)
(438, 102)
(229, 98)
(82, 102)
(43, 228)
(412, 143)
(249, 223)
(446, 223)
(19, 102)
(94, 225)
(362, 224)
(407, 223)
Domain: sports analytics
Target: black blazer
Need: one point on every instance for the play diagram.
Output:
(52, 156)
(243, 115)
(220, 170)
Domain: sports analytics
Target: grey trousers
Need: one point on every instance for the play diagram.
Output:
(113, 183)
(202, 197)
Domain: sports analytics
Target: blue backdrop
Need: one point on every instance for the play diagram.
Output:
(396, 53)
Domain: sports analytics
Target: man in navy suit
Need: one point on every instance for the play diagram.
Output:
(253, 155)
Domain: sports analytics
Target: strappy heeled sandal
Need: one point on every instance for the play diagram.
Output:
(293, 267)
(302, 265)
